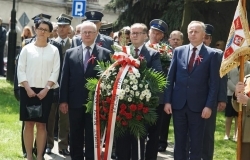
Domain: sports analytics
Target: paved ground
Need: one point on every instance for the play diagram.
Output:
(167, 155)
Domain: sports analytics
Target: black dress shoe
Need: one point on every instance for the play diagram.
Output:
(161, 149)
(64, 152)
(48, 150)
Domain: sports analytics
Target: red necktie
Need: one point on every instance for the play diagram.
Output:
(136, 52)
(191, 61)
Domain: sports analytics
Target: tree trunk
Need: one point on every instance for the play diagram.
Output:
(186, 19)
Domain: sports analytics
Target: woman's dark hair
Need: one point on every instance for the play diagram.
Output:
(126, 31)
(45, 22)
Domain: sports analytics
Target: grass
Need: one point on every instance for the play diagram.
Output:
(10, 129)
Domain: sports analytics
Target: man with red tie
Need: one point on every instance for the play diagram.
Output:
(192, 91)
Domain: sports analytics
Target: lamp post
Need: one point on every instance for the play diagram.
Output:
(12, 46)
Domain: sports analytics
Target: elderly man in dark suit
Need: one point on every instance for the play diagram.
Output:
(73, 94)
(128, 143)
(192, 91)
(101, 39)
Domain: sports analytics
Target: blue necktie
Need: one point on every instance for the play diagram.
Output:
(87, 56)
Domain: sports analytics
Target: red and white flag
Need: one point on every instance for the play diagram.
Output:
(238, 42)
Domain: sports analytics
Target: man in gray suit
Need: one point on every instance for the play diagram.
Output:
(63, 22)
(126, 146)
(73, 94)
(101, 39)
(208, 138)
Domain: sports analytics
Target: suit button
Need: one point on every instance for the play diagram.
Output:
(187, 86)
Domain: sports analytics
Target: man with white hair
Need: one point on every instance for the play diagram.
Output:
(73, 94)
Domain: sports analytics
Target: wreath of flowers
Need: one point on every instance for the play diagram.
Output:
(166, 53)
(138, 94)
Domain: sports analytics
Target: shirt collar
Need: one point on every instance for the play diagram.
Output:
(139, 48)
(198, 47)
(91, 46)
(65, 39)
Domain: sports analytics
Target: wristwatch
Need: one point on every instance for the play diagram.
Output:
(48, 87)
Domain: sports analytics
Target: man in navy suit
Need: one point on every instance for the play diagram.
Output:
(126, 146)
(101, 39)
(192, 91)
(79, 64)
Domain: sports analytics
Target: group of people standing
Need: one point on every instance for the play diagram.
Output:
(53, 72)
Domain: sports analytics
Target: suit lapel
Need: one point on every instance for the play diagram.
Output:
(186, 53)
(80, 57)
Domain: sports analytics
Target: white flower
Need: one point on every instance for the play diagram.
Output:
(132, 77)
(121, 97)
(141, 97)
(135, 81)
(137, 74)
(137, 93)
(109, 93)
(114, 73)
(146, 86)
(112, 82)
(127, 90)
(129, 99)
(132, 92)
(131, 82)
(108, 86)
(147, 91)
(122, 92)
(127, 86)
(148, 96)
(143, 93)
(125, 81)
(147, 99)
(140, 85)
(134, 87)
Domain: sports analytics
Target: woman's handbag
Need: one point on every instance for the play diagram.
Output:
(34, 111)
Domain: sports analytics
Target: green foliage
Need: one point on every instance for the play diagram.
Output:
(156, 80)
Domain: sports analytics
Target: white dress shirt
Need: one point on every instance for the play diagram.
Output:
(64, 40)
(38, 65)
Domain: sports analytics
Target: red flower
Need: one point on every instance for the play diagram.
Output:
(108, 99)
(122, 112)
(105, 110)
(123, 106)
(198, 59)
(139, 106)
(92, 59)
(138, 117)
(118, 118)
(145, 110)
(132, 107)
(100, 44)
(124, 123)
(128, 115)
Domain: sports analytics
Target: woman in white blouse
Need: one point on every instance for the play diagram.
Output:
(38, 71)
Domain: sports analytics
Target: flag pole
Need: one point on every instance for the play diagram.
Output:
(239, 138)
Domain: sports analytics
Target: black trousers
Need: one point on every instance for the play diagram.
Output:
(164, 129)
(127, 147)
(81, 130)
(153, 135)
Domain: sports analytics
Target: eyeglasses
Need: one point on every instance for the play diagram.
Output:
(87, 32)
(43, 30)
(137, 33)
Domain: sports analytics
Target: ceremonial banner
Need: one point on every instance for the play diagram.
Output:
(238, 42)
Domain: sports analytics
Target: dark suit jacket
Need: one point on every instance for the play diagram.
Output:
(152, 57)
(73, 80)
(199, 88)
(101, 40)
